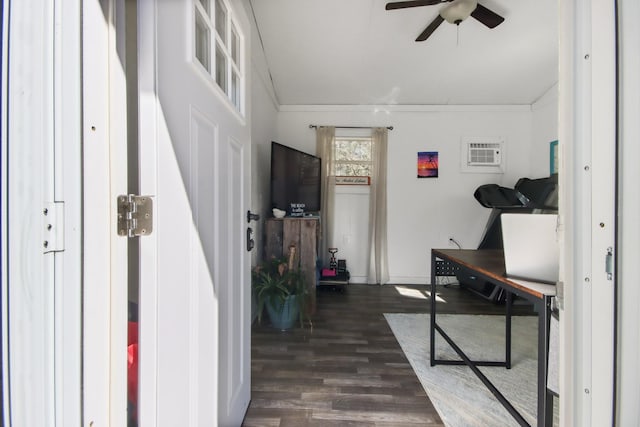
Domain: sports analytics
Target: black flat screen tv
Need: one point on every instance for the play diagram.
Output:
(295, 179)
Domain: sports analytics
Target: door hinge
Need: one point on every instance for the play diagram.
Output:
(135, 215)
(53, 224)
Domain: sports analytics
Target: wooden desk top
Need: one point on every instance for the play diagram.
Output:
(490, 262)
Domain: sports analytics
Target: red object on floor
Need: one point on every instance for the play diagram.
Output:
(132, 368)
(328, 272)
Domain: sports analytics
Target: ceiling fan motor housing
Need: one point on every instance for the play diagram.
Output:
(458, 11)
(454, 13)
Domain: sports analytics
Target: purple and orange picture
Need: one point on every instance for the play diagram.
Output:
(427, 164)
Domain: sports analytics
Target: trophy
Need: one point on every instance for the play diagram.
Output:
(333, 264)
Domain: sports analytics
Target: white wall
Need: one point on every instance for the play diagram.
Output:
(424, 213)
(264, 109)
(263, 131)
(545, 130)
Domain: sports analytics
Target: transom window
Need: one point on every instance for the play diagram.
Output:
(352, 156)
(218, 47)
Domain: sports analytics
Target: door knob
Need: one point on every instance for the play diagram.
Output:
(252, 217)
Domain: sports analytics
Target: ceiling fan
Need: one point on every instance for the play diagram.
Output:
(454, 13)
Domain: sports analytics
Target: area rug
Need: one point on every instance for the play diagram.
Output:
(458, 395)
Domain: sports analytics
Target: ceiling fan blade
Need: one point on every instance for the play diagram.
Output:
(412, 3)
(486, 16)
(430, 28)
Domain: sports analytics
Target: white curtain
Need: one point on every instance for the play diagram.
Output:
(378, 259)
(325, 142)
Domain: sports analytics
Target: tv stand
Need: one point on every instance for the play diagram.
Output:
(303, 233)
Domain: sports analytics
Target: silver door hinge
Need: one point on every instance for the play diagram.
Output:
(135, 215)
(53, 224)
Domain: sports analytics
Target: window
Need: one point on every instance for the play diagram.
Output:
(221, 68)
(352, 156)
(203, 37)
(221, 21)
(217, 38)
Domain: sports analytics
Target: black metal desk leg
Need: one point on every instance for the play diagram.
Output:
(507, 351)
(432, 327)
(544, 398)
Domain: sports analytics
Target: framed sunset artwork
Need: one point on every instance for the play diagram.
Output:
(427, 164)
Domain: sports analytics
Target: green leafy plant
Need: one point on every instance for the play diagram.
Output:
(276, 279)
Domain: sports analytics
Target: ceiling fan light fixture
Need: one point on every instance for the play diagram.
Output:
(458, 11)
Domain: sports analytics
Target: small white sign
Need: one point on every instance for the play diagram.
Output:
(297, 209)
(353, 180)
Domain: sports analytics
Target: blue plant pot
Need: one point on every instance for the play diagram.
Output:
(283, 316)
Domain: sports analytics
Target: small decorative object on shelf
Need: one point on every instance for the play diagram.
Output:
(278, 213)
(327, 272)
(332, 261)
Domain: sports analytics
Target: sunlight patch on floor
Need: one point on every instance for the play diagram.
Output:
(417, 293)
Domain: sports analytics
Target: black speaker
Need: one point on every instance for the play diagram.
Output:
(342, 266)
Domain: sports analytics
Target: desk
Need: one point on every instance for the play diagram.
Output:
(488, 264)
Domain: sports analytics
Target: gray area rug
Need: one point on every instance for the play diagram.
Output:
(458, 395)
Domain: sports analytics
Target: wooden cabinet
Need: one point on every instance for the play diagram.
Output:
(301, 232)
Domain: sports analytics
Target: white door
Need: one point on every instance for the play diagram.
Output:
(194, 308)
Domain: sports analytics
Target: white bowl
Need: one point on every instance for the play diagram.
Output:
(278, 213)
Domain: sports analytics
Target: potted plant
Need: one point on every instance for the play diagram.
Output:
(280, 288)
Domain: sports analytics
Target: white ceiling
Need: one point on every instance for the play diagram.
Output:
(354, 52)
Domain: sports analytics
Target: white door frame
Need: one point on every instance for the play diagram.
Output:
(628, 345)
(587, 134)
(41, 166)
(28, 275)
(147, 173)
(105, 254)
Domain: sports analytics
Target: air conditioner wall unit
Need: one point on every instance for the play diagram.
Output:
(482, 155)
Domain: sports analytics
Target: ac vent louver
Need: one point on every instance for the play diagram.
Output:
(484, 154)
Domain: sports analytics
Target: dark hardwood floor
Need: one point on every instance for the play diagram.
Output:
(348, 369)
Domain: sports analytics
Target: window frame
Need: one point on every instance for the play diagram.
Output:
(227, 47)
(337, 162)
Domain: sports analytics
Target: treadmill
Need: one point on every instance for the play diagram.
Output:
(526, 197)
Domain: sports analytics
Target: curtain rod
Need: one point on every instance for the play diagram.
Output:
(349, 127)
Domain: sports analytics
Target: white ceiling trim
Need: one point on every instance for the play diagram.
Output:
(403, 108)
